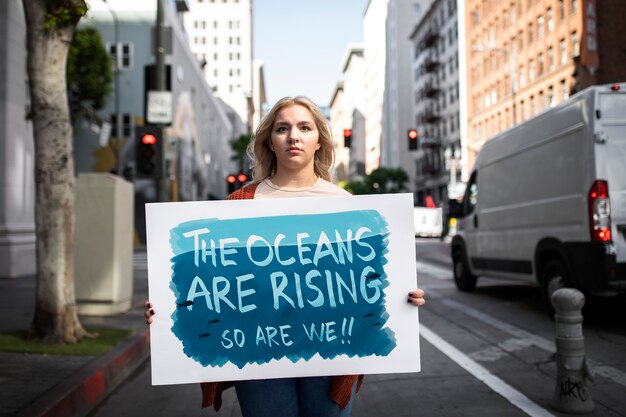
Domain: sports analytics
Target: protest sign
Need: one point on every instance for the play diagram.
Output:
(253, 289)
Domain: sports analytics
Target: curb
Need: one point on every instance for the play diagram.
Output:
(82, 391)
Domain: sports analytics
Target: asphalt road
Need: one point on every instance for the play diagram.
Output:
(484, 353)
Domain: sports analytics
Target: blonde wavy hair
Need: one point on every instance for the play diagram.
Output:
(263, 158)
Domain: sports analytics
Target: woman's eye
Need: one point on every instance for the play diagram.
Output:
(281, 129)
(306, 128)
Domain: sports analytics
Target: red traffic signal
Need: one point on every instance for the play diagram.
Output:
(148, 152)
(347, 137)
(412, 135)
(148, 139)
(234, 181)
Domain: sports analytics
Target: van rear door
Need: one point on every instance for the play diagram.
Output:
(610, 147)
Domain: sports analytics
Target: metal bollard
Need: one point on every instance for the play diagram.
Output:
(570, 394)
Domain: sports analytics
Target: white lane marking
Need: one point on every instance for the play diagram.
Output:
(482, 374)
(597, 368)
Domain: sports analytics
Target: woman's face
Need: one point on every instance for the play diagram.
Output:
(294, 139)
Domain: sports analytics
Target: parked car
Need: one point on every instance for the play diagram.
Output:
(427, 222)
(546, 200)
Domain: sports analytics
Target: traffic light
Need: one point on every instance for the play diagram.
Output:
(148, 151)
(231, 181)
(412, 137)
(235, 182)
(347, 137)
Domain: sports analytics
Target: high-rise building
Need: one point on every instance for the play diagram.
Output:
(220, 35)
(436, 104)
(374, 55)
(402, 16)
(525, 56)
(346, 116)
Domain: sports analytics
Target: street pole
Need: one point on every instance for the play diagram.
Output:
(160, 48)
(160, 86)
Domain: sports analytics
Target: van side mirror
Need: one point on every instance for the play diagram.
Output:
(455, 209)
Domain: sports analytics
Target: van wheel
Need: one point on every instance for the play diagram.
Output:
(463, 277)
(553, 277)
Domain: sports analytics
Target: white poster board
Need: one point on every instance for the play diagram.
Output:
(252, 289)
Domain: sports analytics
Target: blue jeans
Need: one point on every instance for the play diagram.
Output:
(289, 397)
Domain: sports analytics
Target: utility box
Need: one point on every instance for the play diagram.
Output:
(103, 244)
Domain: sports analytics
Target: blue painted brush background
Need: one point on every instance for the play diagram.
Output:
(272, 311)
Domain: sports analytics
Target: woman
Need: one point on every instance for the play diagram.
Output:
(292, 155)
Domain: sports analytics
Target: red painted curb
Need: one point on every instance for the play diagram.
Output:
(89, 385)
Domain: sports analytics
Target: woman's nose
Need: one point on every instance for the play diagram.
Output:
(294, 134)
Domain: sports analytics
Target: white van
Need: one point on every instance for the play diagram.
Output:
(546, 201)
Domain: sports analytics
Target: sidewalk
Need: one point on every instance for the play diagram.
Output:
(53, 385)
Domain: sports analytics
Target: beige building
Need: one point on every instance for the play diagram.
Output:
(220, 35)
(525, 56)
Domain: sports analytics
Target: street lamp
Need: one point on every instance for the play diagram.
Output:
(511, 57)
(118, 132)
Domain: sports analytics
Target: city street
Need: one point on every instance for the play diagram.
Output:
(486, 353)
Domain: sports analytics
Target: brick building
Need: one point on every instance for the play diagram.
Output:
(525, 56)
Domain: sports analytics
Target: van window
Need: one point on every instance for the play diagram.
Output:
(471, 195)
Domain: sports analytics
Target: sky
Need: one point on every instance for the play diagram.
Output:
(302, 44)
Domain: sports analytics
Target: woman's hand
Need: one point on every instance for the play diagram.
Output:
(416, 297)
(148, 312)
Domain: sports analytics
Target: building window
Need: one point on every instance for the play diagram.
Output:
(564, 91)
(551, 66)
(575, 45)
(530, 33)
(540, 28)
(551, 98)
(520, 40)
(522, 77)
(540, 65)
(573, 6)
(561, 9)
(563, 52)
(542, 101)
(126, 127)
(531, 71)
(124, 59)
(550, 17)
